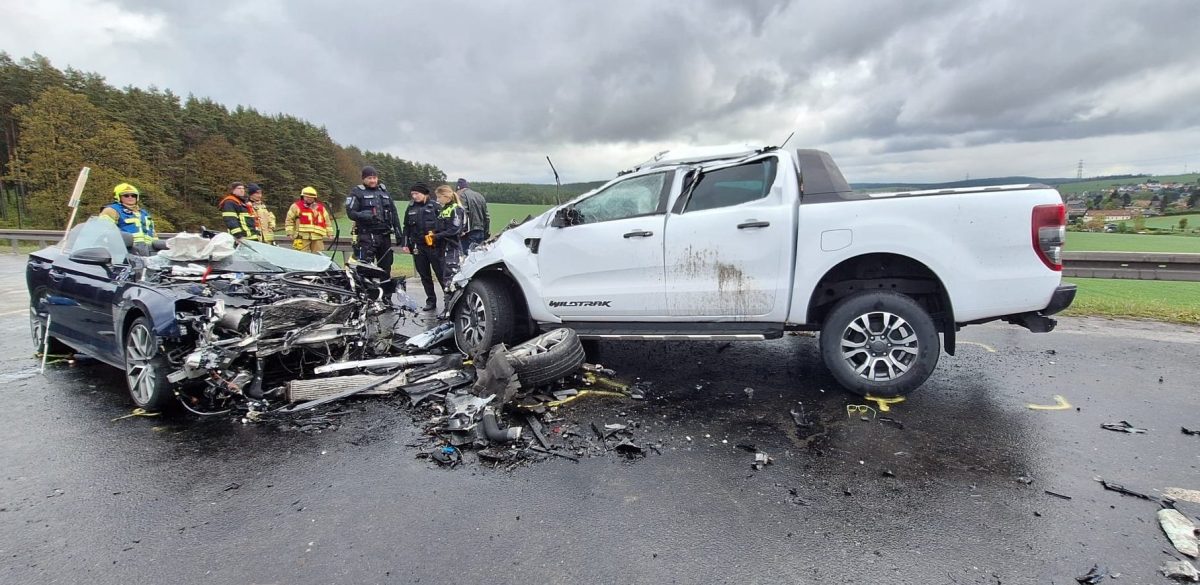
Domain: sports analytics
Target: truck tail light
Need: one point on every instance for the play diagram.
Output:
(1049, 228)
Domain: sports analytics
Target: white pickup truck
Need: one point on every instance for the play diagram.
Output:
(720, 244)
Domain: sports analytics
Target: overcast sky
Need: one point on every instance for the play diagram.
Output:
(919, 90)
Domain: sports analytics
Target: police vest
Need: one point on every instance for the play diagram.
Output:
(311, 221)
(137, 223)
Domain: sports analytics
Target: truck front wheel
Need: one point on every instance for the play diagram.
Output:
(879, 343)
(484, 317)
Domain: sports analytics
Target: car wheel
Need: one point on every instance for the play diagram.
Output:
(484, 317)
(39, 328)
(879, 343)
(145, 367)
(547, 357)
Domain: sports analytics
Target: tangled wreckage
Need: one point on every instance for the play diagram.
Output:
(257, 330)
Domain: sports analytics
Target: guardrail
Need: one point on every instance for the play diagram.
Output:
(1132, 265)
(1126, 265)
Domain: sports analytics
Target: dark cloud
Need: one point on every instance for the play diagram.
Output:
(457, 82)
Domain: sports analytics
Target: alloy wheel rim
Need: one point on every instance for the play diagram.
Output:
(540, 344)
(472, 321)
(880, 346)
(139, 366)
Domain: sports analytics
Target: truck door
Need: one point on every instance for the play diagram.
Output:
(728, 244)
(610, 262)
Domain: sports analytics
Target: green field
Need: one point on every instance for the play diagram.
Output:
(1169, 222)
(1100, 242)
(1177, 302)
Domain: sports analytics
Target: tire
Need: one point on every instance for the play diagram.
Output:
(145, 367)
(484, 317)
(879, 343)
(38, 328)
(547, 357)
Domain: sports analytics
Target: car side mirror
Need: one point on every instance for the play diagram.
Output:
(98, 256)
(566, 217)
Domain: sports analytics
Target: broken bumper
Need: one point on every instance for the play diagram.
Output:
(1039, 321)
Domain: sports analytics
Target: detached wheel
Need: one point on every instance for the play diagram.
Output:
(879, 343)
(145, 367)
(547, 357)
(484, 317)
(38, 327)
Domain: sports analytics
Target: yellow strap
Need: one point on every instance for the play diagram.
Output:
(136, 412)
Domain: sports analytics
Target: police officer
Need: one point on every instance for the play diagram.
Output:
(420, 225)
(371, 209)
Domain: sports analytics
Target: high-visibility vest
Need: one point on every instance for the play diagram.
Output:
(137, 223)
(246, 224)
(311, 222)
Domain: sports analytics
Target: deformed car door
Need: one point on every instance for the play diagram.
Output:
(82, 294)
(728, 244)
(609, 264)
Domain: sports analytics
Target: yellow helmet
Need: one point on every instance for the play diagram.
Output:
(125, 188)
(308, 191)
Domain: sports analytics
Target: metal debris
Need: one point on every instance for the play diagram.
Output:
(1188, 431)
(1122, 427)
(1057, 495)
(761, 460)
(1116, 487)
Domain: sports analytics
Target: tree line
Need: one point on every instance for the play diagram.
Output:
(182, 153)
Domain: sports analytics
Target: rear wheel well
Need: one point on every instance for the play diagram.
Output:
(885, 272)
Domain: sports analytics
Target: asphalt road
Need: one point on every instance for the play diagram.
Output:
(88, 497)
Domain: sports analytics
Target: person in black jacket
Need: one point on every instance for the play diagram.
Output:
(420, 225)
(451, 226)
(373, 212)
(238, 213)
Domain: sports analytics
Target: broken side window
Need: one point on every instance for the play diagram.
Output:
(733, 185)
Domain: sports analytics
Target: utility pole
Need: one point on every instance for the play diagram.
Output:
(1079, 170)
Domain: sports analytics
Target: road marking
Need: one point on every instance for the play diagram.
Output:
(983, 345)
(1062, 404)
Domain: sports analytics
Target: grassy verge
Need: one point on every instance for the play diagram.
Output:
(1100, 242)
(1175, 302)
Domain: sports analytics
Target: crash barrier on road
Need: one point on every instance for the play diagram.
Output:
(1125, 265)
(46, 237)
(1132, 265)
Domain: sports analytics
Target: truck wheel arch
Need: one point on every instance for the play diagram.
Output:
(500, 274)
(888, 272)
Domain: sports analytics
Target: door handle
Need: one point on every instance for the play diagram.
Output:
(638, 234)
(56, 276)
(753, 224)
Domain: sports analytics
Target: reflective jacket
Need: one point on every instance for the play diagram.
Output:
(451, 223)
(133, 221)
(266, 223)
(239, 218)
(308, 224)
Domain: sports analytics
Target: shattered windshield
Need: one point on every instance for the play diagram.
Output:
(274, 259)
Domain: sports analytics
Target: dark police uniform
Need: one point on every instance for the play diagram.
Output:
(419, 220)
(375, 221)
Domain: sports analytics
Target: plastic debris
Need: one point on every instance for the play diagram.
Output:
(1181, 494)
(891, 421)
(885, 402)
(1116, 487)
(761, 460)
(749, 393)
(1060, 403)
(1057, 495)
(1095, 575)
(629, 449)
(436, 336)
(447, 456)
(1122, 427)
(861, 410)
(1025, 480)
(1188, 431)
(1180, 571)
(1180, 530)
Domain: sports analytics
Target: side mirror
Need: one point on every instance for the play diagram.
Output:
(98, 256)
(565, 217)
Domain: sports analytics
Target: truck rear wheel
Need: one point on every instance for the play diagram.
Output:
(484, 317)
(879, 343)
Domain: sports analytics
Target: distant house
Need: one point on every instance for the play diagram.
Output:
(1113, 214)
(1076, 208)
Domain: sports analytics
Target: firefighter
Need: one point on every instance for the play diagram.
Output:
(238, 214)
(308, 222)
(263, 216)
(129, 216)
